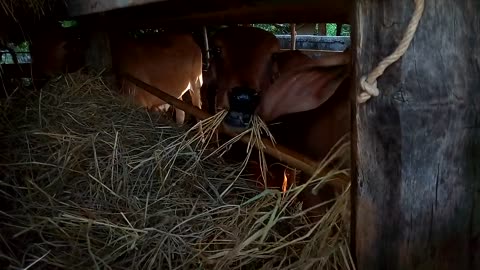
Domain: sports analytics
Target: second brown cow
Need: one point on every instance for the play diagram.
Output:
(56, 50)
(171, 62)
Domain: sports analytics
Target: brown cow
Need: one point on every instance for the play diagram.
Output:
(312, 105)
(241, 60)
(300, 75)
(249, 75)
(170, 62)
(55, 50)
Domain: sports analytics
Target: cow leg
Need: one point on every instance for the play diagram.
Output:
(195, 93)
(179, 115)
(163, 107)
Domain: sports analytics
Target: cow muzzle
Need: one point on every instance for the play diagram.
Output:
(243, 101)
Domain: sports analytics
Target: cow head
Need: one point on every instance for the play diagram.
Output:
(55, 50)
(243, 72)
(240, 69)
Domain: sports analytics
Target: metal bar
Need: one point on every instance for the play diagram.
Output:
(205, 40)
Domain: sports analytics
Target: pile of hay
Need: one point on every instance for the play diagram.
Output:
(88, 182)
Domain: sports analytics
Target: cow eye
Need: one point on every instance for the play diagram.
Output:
(216, 52)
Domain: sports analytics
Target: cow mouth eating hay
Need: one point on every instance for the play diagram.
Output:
(243, 102)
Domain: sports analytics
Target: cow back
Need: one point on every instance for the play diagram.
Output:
(170, 62)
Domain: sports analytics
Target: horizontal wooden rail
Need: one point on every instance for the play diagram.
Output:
(302, 13)
(282, 153)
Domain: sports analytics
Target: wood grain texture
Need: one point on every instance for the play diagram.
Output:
(98, 55)
(83, 7)
(186, 13)
(417, 198)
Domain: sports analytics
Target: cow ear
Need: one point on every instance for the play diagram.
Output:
(300, 90)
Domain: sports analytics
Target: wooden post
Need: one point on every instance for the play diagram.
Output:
(339, 29)
(322, 29)
(98, 55)
(417, 145)
(293, 37)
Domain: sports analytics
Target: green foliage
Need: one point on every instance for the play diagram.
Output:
(284, 29)
(22, 47)
(70, 23)
(332, 29)
(138, 33)
(277, 29)
(346, 30)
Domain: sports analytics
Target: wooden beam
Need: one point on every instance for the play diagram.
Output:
(417, 145)
(307, 13)
(339, 29)
(85, 7)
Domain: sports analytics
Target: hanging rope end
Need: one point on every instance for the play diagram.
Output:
(369, 90)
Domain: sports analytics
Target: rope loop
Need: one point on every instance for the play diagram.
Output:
(369, 83)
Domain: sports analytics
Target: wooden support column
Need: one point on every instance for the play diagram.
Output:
(339, 29)
(417, 196)
(293, 36)
(98, 55)
(322, 29)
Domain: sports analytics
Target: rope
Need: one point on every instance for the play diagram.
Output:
(369, 83)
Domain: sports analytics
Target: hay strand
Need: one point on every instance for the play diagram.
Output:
(91, 182)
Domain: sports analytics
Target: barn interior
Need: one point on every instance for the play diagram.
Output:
(96, 181)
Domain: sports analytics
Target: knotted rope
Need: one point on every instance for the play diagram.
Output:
(369, 83)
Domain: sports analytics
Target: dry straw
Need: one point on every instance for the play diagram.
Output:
(92, 182)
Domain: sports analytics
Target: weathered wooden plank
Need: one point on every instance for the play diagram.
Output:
(184, 7)
(171, 13)
(98, 55)
(85, 7)
(305, 13)
(418, 144)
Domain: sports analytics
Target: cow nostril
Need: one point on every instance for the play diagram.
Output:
(243, 99)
